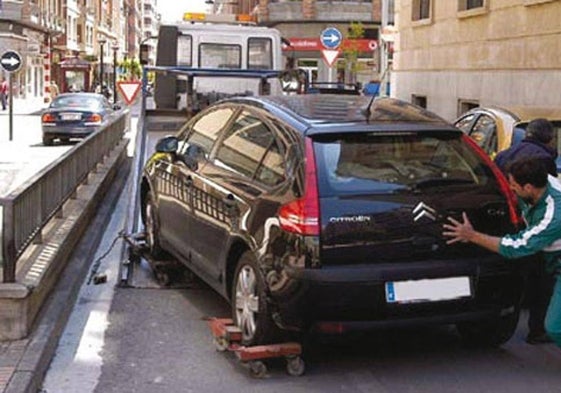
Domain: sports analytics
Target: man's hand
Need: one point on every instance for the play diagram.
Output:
(459, 231)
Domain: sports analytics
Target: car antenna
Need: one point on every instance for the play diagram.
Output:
(367, 111)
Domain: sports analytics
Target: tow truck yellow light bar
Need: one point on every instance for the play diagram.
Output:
(217, 18)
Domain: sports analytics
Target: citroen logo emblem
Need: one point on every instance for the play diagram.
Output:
(423, 210)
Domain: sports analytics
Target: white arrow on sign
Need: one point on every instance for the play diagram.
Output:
(10, 61)
(332, 38)
(330, 56)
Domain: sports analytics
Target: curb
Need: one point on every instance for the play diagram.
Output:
(50, 322)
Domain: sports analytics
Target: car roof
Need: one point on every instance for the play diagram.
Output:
(328, 109)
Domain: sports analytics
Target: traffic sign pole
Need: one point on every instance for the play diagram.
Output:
(10, 61)
(10, 106)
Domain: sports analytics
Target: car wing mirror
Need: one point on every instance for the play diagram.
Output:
(293, 81)
(193, 156)
(168, 144)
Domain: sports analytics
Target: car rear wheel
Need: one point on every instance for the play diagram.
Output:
(152, 227)
(47, 141)
(250, 310)
(489, 333)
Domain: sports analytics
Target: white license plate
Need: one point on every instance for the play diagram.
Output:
(70, 116)
(428, 290)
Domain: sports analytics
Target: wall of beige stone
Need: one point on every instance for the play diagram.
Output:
(507, 53)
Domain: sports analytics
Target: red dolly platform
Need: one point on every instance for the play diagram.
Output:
(227, 337)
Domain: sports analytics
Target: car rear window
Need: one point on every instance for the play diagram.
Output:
(393, 162)
(76, 102)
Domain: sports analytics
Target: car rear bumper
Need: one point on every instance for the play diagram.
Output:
(68, 132)
(355, 296)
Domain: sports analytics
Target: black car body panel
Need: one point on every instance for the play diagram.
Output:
(377, 225)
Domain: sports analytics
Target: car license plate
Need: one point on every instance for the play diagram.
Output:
(70, 116)
(428, 290)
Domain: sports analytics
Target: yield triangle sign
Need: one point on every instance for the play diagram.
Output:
(129, 90)
(330, 56)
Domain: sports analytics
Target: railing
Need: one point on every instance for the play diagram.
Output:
(26, 210)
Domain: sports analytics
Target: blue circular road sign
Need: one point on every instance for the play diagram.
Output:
(331, 38)
(10, 61)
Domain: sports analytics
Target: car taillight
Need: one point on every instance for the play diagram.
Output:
(94, 119)
(501, 180)
(48, 118)
(301, 216)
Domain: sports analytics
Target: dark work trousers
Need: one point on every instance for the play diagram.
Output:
(539, 287)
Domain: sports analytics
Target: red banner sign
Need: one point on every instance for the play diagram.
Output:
(314, 44)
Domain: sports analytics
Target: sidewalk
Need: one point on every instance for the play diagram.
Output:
(26, 106)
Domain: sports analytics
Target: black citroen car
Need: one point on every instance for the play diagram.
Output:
(325, 212)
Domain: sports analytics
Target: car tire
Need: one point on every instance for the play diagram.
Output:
(47, 141)
(152, 227)
(250, 310)
(489, 333)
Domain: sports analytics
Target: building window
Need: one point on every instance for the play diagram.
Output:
(466, 105)
(419, 100)
(464, 5)
(421, 10)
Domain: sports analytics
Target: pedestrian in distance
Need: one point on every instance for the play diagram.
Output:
(4, 93)
(539, 141)
(540, 196)
(53, 90)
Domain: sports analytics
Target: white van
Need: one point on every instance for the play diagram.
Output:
(223, 44)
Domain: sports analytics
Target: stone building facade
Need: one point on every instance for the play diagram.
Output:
(456, 54)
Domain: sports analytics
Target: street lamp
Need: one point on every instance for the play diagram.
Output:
(102, 42)
(115, 48)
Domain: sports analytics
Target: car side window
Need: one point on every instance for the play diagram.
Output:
(248, 145)
(484, 132)
(465, 122)
(206, 130)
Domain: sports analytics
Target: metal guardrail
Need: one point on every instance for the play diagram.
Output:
(26, 210)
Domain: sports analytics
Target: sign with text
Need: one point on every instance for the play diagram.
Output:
(129, 90)
(314, 44)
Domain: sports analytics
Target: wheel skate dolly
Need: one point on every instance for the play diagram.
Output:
(227, 337)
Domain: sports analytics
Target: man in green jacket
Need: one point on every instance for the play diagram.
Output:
(540, 196)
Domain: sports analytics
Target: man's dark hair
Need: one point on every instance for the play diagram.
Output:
(540, 130)
(528, 171)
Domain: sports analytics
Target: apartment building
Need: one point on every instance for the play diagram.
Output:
(150, 25)
(456, 54)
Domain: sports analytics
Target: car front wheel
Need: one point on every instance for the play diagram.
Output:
(250, 309)
(151, 227)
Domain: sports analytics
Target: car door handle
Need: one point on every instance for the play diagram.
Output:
(229, 201)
